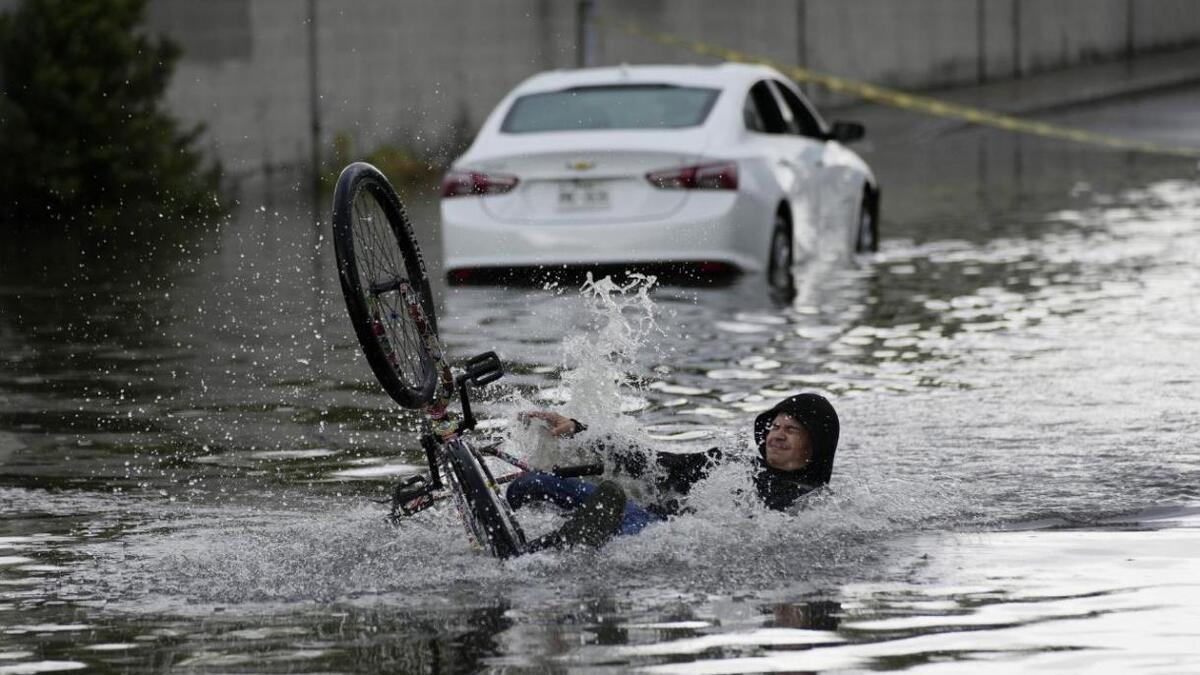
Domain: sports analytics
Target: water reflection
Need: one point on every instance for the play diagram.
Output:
(823, 615)
(193, 434)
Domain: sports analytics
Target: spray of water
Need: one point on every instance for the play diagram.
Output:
(598, 362)
(310, 551)
(599, 373)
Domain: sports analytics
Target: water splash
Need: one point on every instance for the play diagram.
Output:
(293, 553)
(600, 380)
(599, 362)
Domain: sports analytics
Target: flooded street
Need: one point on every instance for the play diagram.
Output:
(190, 441)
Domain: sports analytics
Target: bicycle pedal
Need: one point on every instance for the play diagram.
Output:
(483, 368)
(416, 504)
(406, 491)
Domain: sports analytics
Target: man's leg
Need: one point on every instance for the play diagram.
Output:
(598, 512)
(596, 520)
(566, 493)
(636, 519)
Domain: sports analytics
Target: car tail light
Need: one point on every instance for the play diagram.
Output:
(467, 183)
(721, 176)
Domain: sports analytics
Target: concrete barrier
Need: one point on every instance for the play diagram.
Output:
(274, 80)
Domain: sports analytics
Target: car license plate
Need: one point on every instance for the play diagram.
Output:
(582, 195)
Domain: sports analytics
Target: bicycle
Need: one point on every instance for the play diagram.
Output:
(390, 304)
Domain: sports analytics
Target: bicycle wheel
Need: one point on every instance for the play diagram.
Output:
(384, 283)
(489, 517)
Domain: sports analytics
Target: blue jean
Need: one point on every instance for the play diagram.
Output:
(569, 493)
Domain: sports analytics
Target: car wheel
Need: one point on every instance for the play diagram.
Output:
(868, 226)
(779, 262)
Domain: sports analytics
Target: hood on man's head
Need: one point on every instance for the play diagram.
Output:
(817, 415)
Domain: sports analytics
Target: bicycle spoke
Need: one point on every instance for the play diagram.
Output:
(381, 264)
(388, 298)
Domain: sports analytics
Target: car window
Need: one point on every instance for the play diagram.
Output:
(633, 106)
(761, 111)
(752, 118)
(802, 120)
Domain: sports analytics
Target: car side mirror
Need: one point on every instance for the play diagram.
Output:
(846, 132)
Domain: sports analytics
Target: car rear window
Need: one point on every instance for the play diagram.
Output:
(627, 106)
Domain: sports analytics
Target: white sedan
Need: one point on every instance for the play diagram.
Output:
(694, 169)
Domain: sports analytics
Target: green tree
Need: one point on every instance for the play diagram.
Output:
(85, 136)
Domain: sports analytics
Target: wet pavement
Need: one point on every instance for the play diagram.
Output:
(189, 442)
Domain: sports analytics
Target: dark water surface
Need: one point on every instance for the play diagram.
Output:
(189, 438)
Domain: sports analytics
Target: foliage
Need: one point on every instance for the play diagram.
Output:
(85, 134)
(402, 167)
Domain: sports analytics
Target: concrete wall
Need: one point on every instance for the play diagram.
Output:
(422, 74)
(1082, 30)
(1162, 24)
(244, 75)
(889, 43)
(418, 75)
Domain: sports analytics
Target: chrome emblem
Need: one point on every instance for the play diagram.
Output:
(581, 165)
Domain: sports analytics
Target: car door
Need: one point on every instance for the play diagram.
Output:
(793, 161)
(840, 193)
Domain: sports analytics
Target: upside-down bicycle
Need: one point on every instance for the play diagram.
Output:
(388, 298)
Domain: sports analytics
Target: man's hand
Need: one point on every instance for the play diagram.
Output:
(560, 426)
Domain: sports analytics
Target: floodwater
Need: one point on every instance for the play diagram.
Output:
(190, 442)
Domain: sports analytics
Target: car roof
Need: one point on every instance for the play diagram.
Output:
(721, 75)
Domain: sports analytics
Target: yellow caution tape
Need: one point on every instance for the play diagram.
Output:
(899, 99)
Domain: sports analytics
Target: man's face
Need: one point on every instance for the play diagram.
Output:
(789, 447)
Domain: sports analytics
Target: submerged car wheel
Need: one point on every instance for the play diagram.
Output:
(779, 262)
(868, 226)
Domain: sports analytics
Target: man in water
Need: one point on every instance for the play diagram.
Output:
(796, 441)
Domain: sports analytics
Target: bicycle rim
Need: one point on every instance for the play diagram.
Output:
(490, 519)
(385, 285)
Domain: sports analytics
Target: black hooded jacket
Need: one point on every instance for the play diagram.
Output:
(775, 488)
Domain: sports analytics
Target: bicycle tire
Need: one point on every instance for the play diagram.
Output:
(380, 275)
(490, 518)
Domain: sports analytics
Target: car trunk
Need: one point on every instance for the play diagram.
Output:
(585, 186)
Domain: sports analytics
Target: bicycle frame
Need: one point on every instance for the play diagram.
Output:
(416, 494)
(444, 433)
(388, 298)
(441, 427)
